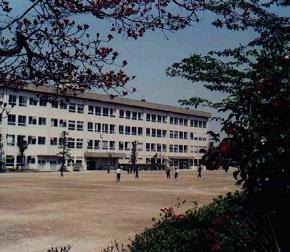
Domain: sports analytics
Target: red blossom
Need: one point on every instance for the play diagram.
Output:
(225, 148)
(125, 62)
(66, 21)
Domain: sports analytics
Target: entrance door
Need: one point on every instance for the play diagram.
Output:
(91, 164)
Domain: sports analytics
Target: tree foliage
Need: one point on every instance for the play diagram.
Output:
(255, 78)
(48, 42)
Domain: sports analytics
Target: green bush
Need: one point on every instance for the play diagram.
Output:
(223, 225)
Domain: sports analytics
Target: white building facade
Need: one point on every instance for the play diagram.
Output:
(100, 129)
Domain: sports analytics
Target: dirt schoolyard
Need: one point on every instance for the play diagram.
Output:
(89, 209)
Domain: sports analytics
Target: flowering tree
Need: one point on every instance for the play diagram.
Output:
(45, 44)
(255, 78)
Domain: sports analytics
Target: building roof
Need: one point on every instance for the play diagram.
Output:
(123, 101)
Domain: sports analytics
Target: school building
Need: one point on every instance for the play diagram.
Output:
(100, 129)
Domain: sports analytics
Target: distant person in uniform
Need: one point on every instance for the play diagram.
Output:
(167, 170)
(199, 171)
(176, 172)
(137, 172)
(118, 172)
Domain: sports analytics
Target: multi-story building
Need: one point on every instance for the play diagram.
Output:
(100, 129)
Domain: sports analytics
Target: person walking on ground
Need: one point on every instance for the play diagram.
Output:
(137, 172)
(176, 172)
(199, 171)
(167, 169)
(118, 172)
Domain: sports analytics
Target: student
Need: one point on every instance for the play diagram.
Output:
(118, 172)
(199, 171)
(167, 169)
(176, 172)
(137, 172)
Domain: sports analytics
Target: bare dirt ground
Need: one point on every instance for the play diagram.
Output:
(89, 210)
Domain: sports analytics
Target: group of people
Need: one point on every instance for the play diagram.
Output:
(167, 170)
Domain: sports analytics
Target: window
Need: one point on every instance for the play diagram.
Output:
(112, 129)
(62, 123)
(153, 132)
(98, 127)
(62, 105)
(159, 118)
(121, 129)
(91, 110)
(12, 100)
(10, 160)
(112, 112)
(54, 104)
(128, 114)
(147, 146)
(21, 120)
(22, 101)
(41, 140)
(43, 101)
(140, 116)
(127, 146)
(72, 107)
(80, 108)
(175, 148)
(121, 113)
(105, 128)
(153, 147)
(185, 148)
(79, 143)
(191, 123)
(200, 124)
(204, 124)
(175, 121)
(148, 117)
(33, 101)
(53, 141)
(31, 140)
(153, 118)
(127, 130)
(32, 120)
(180, 148)
(180, 134)
(10, 140)
(41, 121)
(80, 125)
(164, 119)
(98, 111)
(31, 160)
(121, 146)
(159, 133)
(171, 120)
(180, 121)
(171, 133)
(90, 126)
(175, 134)
(112, 145)
(97, 144)
(191, 136)
(195, 123)
(170, 148)
(184, 135)
(90, 144)
(134, 115)
(104, 145)
(147, 131)
(134, 131)
(71, 143)
(71, 125)
(11, 119)
(140, 131)
(158, 147)
(164, 149)
(54, 122)
(185, 122)
(105, 112)
(163, 133)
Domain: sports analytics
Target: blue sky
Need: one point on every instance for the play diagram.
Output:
(148, 57)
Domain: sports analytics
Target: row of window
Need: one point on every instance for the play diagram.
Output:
(78, 143)
(104, 111)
